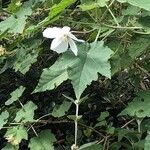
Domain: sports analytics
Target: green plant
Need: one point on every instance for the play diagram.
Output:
(101, 85)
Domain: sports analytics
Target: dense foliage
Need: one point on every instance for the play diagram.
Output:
(97, 100)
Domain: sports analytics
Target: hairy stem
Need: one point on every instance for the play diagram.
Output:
(76, 123)
(139, 120)
(113, 16)
(104, 14)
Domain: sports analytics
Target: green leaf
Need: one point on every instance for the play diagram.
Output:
(16, 134)
(124, 59)
(110, 130)
(103, 116)
(102, 3)
(54, 14)
(14, 5)
(145, 4)
(57, 9)
(13, 25)
(7, 24)
(26, 114)
(131, 11)
(147, 142)
(138, 46)
(10, 147)
(115, 146)
(101, 119)
(26, 55)
(53, 76)
(16, 23)
(91, 146)
(24, 11)
(74, 117)
(121, 59)
(131, 135)
(88, 6)
(15, 95)
(92, 58)
(24, 65)
(44, 141)
(139, 145)
(139, 107)
(3, 118)
(59, 110)
(144, 22)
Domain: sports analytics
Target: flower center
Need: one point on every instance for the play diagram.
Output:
(65, 37)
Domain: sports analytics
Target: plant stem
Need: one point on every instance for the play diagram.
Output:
(103, 16)
(97, 36)
(127, 123)
(139, 120)
(76, 123)
(113, 16)
(142, 69)
(120, 27)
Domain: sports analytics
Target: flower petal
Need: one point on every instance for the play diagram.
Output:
(56, 42)
(59, 45)
(73, 46)
(74, 38)
(66, 29)
(52, 32)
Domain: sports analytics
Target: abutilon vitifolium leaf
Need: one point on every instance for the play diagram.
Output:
(139, 3)
(81, 70)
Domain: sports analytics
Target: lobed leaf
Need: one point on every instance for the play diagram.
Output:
(59, 110)
(147, 142)
(26, 114)
(139, 3)
(140, 105)
(16, 134)
(3, 118)
(44, 141)
(15, 95)
(16, 23)
(81, 70)
(10, 147)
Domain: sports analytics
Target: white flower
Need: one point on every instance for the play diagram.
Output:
(63, 38)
